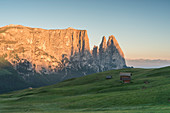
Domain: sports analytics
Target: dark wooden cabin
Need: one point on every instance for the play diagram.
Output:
(109, 77)
(125, 77)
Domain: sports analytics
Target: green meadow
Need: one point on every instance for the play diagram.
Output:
(148, 92)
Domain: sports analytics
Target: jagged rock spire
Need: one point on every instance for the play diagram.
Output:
(103, 43)
(102, 50)
(95, 51)
(113, 42)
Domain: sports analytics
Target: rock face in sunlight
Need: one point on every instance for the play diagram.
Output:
(63, 52)
(111, 55)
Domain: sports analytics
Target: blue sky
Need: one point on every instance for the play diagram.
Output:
(142, 27)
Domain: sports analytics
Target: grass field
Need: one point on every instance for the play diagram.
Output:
(149, 92)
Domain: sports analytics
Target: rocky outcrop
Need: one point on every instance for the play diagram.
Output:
(95, 52)
(63, 52)
(112, 42)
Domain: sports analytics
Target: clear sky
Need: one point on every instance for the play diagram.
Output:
(142, 27)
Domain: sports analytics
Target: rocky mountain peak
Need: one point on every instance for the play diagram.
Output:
(112, 42)
(103, 43)
(70, 28)
(62, 52)
(14, 25)
(95, 51)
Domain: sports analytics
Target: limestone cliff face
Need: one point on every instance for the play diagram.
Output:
(64, 52)
(95, 52)
(113, 42)
(114, 55)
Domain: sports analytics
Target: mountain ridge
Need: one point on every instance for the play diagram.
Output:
(63, 52)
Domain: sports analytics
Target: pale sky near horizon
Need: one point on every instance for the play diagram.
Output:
(142, 27)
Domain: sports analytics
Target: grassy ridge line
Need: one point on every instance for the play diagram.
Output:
(93, 93)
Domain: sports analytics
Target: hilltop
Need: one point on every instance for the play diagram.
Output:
(148, 92)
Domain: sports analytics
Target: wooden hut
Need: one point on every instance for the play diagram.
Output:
(125, 77)
(109, 77)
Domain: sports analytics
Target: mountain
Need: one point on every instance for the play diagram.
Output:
(62, 53)
(148, 92)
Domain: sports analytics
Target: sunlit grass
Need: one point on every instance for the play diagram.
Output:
(93, 93)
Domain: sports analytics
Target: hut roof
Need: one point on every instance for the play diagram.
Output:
(125, 74)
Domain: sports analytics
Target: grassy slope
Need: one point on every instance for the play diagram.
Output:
(9, 78)
(93, 93)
